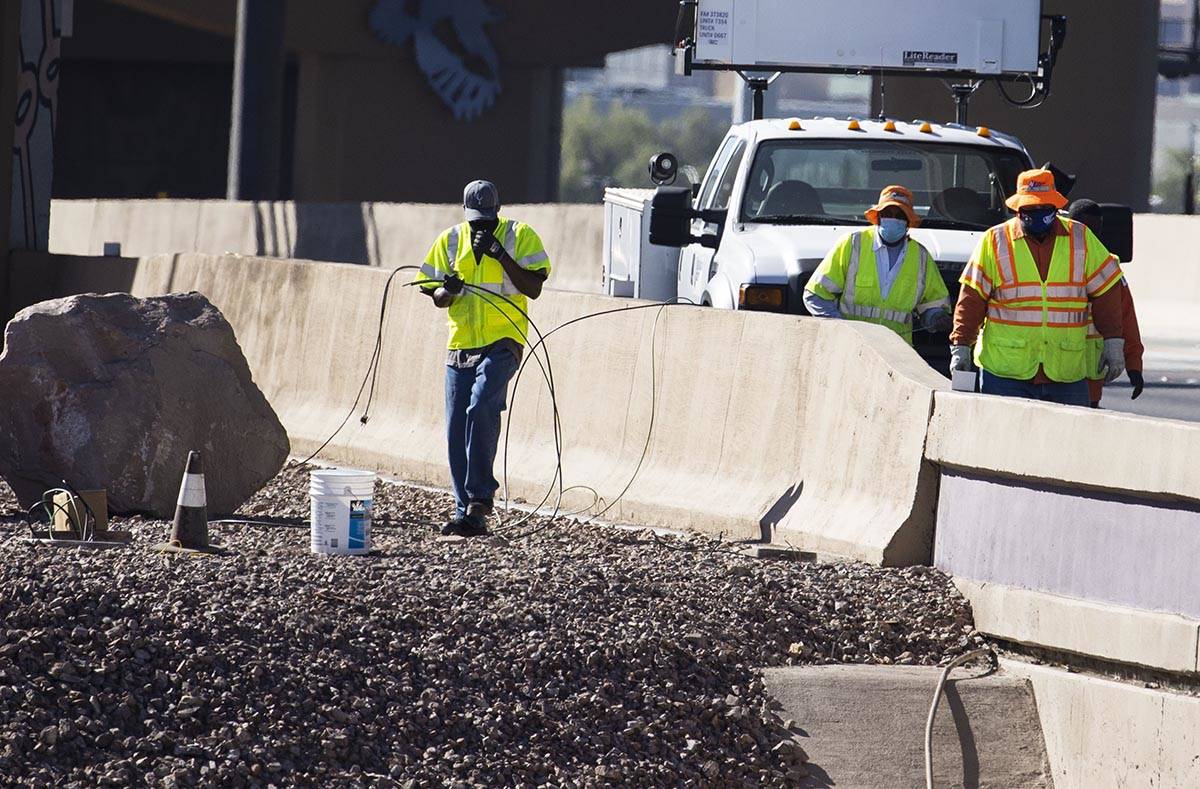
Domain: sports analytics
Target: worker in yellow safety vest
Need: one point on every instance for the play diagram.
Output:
(1024, 304)
(880, 274)
(482, 272)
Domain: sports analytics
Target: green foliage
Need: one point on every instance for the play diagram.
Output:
(1169, 180)
(612, 146)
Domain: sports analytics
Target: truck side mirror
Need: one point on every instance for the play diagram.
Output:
(1116, 230)
(671, 216)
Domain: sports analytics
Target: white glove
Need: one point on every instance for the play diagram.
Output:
(1113, 362)
(961, 358)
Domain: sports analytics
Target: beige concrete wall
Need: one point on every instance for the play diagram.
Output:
(1101, 733)
(1029, 440)
(1165, 273)
(762, 420)
(1071, 533)
(1165, 277)
(1165, 642)
(380, 234)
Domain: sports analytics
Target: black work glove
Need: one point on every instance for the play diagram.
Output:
(1139, 383)
(452, 284)
(483, 242)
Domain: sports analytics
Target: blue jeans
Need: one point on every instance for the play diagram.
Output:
(475, 399)
(1065, 394)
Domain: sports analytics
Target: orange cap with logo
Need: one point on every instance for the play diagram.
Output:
(897, 196)
(1036, 187)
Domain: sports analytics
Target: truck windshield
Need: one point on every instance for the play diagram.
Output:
(835, 181)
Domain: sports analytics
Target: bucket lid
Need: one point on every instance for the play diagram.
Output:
(336, 475)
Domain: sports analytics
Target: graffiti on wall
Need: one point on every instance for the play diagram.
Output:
(452, 48)
(34, 122)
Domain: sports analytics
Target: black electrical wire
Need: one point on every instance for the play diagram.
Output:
(653, 408)
(79, 529)
(546, 369)
(1035, 99)
(90, 514)
(372, 366)
(549, 375)
(517, 379)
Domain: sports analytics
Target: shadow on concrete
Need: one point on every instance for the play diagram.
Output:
(817, 778)
(331, 231)
(966, 738)
(779, 510)
(31, 277)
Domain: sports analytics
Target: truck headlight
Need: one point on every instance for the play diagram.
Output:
(768, 298)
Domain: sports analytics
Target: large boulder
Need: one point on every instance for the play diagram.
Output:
(112, 391)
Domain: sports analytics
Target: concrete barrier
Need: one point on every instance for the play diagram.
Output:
(1165, 276)
(1165, 273)
(1101, 733)
(378, 234)
(761, 422)
(1046, 513)
(1069, 530)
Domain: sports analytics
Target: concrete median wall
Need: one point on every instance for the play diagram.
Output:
(1165, 276)
(377, 234)
(761, 421)
(1051, 517)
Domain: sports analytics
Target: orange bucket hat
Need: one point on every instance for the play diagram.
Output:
(897, 196)
(1036, 187)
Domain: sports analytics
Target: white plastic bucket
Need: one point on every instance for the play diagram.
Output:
(341, 501)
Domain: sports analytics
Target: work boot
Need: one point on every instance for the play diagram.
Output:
(452, 526)
(474, 523)
(466, 526)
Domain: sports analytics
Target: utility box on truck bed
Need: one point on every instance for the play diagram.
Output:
(632, 266)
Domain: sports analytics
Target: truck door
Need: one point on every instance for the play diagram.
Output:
(688, 284)
(722, 181)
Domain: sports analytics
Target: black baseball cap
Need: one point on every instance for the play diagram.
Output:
(481, 200)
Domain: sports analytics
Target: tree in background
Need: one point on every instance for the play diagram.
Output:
(612, 146)
(1169, 182)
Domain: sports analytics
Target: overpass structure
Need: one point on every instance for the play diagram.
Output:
(378, 101)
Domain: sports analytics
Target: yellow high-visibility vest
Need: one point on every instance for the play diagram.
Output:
(848, 275)
(479, 319)
(1031, 323)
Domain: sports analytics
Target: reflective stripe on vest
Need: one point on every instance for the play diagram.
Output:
(1033, 323)
(491, 308)
(850, 306)
(1019, 303)
(510, 246)
(830, 285)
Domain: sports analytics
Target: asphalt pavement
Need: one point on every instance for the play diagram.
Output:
(1172, 382)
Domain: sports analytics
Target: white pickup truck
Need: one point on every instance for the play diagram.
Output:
(779, 193)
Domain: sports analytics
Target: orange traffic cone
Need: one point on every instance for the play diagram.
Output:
(189, 532)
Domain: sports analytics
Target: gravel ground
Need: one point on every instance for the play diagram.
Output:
(582, 655)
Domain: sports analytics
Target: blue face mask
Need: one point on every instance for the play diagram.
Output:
(892, 230)
(1038, 221)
